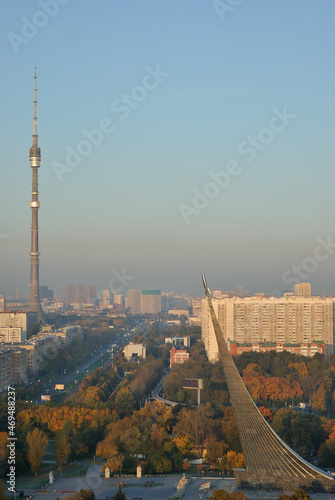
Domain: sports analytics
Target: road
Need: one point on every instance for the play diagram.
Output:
(85, 367)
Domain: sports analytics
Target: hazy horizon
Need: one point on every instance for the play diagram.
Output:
(175, 137)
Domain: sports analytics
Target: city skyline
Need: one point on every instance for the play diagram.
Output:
(175, 137)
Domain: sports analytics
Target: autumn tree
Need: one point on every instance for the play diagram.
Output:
(63, 448)
(301, 494)
(220, 495)
(37, 442)
(319, 400)
(114, 464)
(195, 424)
(4, 452)
(85, 495)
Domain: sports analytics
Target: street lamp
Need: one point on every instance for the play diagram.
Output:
(61, 463)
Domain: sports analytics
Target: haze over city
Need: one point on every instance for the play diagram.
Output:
(208, 144)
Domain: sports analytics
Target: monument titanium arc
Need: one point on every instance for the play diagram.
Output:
(270, 463)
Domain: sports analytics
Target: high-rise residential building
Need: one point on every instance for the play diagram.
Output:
(118, 299)
(35, 159)
(2, 303)
(134, 301)
(151, 302)
(21, 320)
(80, 294)
(303, 290)
(106, 298)
(290, 319)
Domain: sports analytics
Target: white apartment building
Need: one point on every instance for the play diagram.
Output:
(22, 320)
(14, 334)
(290, 319)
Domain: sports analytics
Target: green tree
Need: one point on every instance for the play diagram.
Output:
(124, 402)
(37, 442)
(119, 495)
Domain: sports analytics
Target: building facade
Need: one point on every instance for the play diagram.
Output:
(178, 355)
(292, 319)
(13, 334)
(151, 302)
(80, 294)
(132, 349)
(21, 320)
(134, 301)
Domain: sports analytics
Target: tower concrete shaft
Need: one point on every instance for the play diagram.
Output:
(35, 159)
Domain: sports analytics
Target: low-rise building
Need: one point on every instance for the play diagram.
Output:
(178, 355)
(304, 349)
(132, 349)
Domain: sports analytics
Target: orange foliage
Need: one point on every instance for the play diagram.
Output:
(266, 412)
(53, 419)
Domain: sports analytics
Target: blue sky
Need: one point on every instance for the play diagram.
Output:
(129, 204)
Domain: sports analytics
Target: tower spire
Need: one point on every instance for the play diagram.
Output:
(35, 159)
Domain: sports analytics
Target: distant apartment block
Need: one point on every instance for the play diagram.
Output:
(46, 293)
(134, 301)
(132, 349)
(80, 294)
(185, 341)
(106, 298)
(172, 301)
(16, 319)
(6, 377)
(179, 312)
(151, 302)
(12, 334)
(178, 355)
(118, 299)
(303, 290)
(2, 303)
(292, 319)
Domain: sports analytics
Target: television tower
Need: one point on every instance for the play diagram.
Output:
(35, 158)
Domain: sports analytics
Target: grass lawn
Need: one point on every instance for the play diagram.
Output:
(29, 482)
